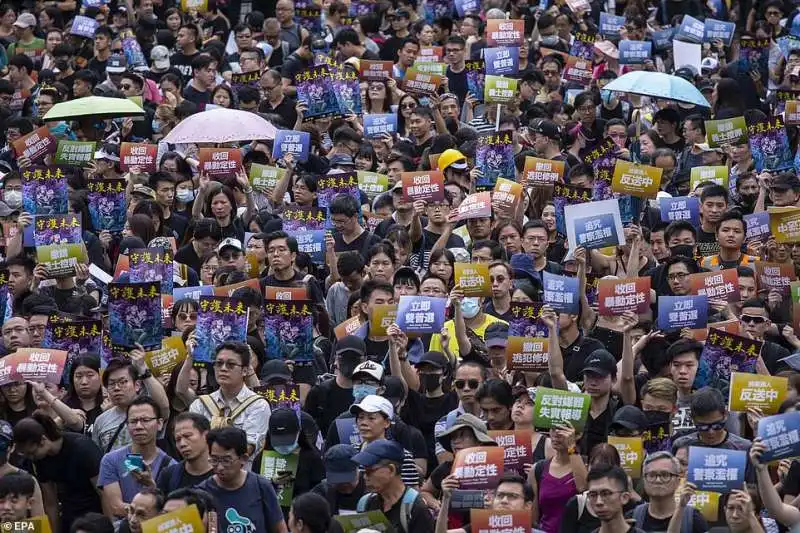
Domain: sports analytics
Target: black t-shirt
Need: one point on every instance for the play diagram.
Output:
(361, 244)
(98, 67)
(326, 401)
(276, 58)
(596, 430)
(183, 63)
(586, 522)
(293, 65)
(178, 224)
(678, 145)
(314, 290)
(156, 75)
(707, 242)
(424, 412)
(285, 110)
(575, 355)
(457, 84)
(201, 98)
(422, 248)
(656, 525)
(340, 501)
(376, 350)
(72, 470)
(188, 256)
(169, 479)
(420, 521)
(217, 27)
(390, 48)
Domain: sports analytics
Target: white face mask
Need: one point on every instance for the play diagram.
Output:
(13, 199)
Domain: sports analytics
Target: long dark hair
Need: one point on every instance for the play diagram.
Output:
(89, 360)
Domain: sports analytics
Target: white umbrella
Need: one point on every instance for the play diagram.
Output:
(221, 126)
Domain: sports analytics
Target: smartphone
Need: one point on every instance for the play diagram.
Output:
(134, 462)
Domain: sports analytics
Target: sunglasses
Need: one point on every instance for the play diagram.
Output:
(714, 426)
(462, 383)
(753, 319)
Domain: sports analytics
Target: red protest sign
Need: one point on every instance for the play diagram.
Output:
(502, 32)
(775, 277)
(138, 155)
(375, 70)
(416, 82)
(615, 296)
(480, 467)
(517, 447)
(542, 171)
(477, 205)
(220, 162)
(430, 54)
(495, 521)
(719, 285)
(36, 144)
(427, 186)
(38, 364)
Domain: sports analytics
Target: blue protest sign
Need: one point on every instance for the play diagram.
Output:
(294, 142)
(662, 39)
(561, 293)
(610, 25)
(191, 293)
(691, 30)
(787, 43)
(312, 243)
(465, 7)
(84, 26)
(347, 431)
(421, 314)
(502, 61)
(719, 29)
(634, 52)
(596, 231)
(781, 434)
(716, 469)
(757, 226)
(676, 312)
(680, 208)
(594, 224)
(375, 125)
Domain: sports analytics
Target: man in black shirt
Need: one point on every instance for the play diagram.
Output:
(102, 51)
(667, 121)
(205, 238)
(191, 430)
(455, 50)
(343, 485)
(400, 22)
(275, 102)
(282, 253)
(348, 233)
(599, 374)
(204, 75)
(301, 59)
(348, 44)
(713, 203)
(187, 44)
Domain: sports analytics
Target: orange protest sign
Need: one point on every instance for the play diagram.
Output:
(375, 70)
(517, 445)
(416, 82)
(477, 205)
(36, 144)
(348, 327)
(615, 296)
(528, 354)
(38, 364)
(228, 290)
(427, 186)
(503, 32)
(430, 54)
(140, 155)
(542, 171)
(506, 196)
(285, 293)
(480, 467)
(774, 277)
(220, 162)
(719, 285)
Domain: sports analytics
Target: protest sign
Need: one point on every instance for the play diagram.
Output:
(477, 205)
(476, 72)
(594, 225)
(501, 61)
(311, 242)
(716, 174)
(565, 195)
(554, 406)
(707, 503)
(610, 25)
(479, 467)
(728, 326)
(527, 354)
(663, 39)
(757, 227)
(59, 243)
(497, 521)
(680, 208)
(775, 277)
(348, 327)
(505, 32)
(383, 316)
(39, 365)
(769, 146)
(140, 155)
(691, 30)
(184, 520)
(163, 360)
(76, 337)
(315, 89)
(293, 142)
(219, 319)
(727, 131)
(427, 186)
(517, 448)
(781, 434)
(378, 124)
(264, 178)
(716, 469)
(44, 190)
(506, 195)
(152, 264)
(107, 206)
(430, 54)
(757, 391)
(36, 144)
(784, 224)
(494, 157)
(720, 285)
(718, 29)
(616, 296)
(134, 314)
(372, 520)
(634, 52)
(421, 314)
(272, 463)
(792, 113)
(84, 26)
(499, 90)
(542, 171)
(676, 312)
(372, 183)
(348, 92)
(281, 396)
(631, 454)
(657, 437)
(561, 292)
(375, 70)
(220, 162)
(420, 83)
(722, 354)
(636, 180)
(286, 293)
(228, 290)
(526, 320)
(473, 278)
(75, 153)
(288, 330)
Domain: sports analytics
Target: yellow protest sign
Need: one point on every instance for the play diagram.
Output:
(631, 453)
(164, 360)
(784, 223)
(383, 316)
(184, 520)
(473, 278)
(757, 390)
(636, 180)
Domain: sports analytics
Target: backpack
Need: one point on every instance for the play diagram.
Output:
(217, 418)
(687, 523)
(407, 505)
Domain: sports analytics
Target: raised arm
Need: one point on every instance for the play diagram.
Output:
(555, 362)
(782, 512)
(627, 383)
(279, 192)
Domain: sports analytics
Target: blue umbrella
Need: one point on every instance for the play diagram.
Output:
(658, 85)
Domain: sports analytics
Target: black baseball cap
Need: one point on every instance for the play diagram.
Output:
(435, 359)
(351, 343)
(548, 128)
(275, 370)
(284, 427)
(339, 465)
(600, 362)
(496, 335)
(785, 181)
(629, 417)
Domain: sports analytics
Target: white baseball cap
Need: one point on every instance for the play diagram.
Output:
(372, 403)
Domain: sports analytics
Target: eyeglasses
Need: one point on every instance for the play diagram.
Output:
(751, 319)
(677, 276)
(713, 426)
(226, 364)
(141, 421)
(409, 106)
(453, 50)
(187, 316)
(586, 108)
(463, 383)
(663, 477)
(605, 494)
(226, 460)
(510, 496)
(118, 384)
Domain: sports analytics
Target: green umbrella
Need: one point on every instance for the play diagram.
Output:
(99, 107)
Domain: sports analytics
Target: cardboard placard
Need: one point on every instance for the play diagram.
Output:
(286, 293)
(375, 70)
(141, 155)
(473, 278)
(36, 144)
(726, 131)
(416, 82)
(781, 434)
(480, 467)
(527, 354)
(505, 32)
(617, 296)
(491, 521)
(517, 446)
(680, 208)
(636, 180)
(477, 205)
(506, 195)
(757, 390)
(775, 277)
(542, 171)
(631, 454)
(183, 520)
(716, 469)
(554, 406)
(348, 327)
(499, 90)
(164, 360)
(784, 223)
(427, 186)
(383, 316)
(722, 284)
(717, 174)
(676, 312)
(219, 162)
(421, 315)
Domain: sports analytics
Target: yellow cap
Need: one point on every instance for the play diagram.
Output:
(452, 158)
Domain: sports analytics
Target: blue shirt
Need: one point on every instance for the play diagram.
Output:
(252, 508)
(112, 469)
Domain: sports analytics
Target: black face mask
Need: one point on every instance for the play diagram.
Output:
(655, 418)
(430, 382)
(686, 250)
(348, 364)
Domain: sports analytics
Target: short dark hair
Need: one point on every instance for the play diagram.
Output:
(118, 363)
(745, 272)
(236, 347)
(495, 247)
(755, 302)
(371, 286)
(677, 227)
(228, 438)
(207, 227)
(714, 191)
(684, 346)
(30, 430)
(347, 36)
(613, 472)
(21, 260)
(86, 76)
(21, 61)
(344, 204)
(732, 214)
(497, 389)
(456, 39)
(202, 499)
(707, 401)
(697, 122)
(202, 61)
(291, 242)
(313, 510)
(145, 400)
(17, 484)
(92, 522)
(513, 477)
(199, 422)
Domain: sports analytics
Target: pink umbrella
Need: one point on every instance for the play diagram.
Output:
(221, 126)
